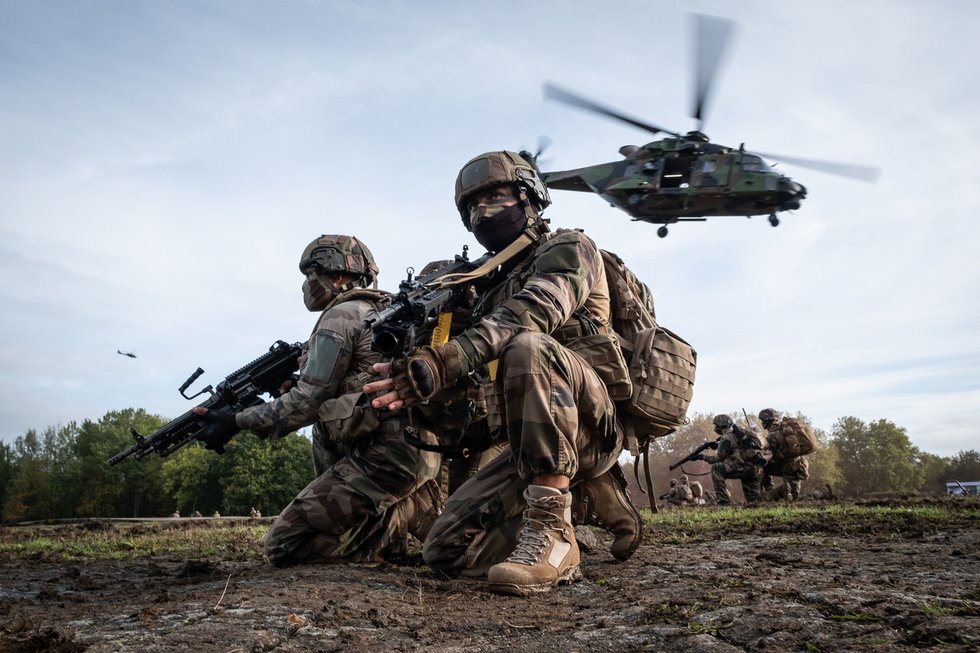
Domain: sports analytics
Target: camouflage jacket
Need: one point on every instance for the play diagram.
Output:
(337, 361)
(749, 449)
(561, 277)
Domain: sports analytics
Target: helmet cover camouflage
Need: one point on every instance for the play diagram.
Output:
(768, 416)
(494, 168)
(722, 421)
(336, 253)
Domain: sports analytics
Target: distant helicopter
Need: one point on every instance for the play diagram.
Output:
(126, 353)
(686, 177)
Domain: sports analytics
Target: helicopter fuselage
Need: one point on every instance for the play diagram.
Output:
(681, 179)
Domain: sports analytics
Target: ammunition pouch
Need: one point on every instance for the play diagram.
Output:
(348, 417)
(662, 372)
(603, 354)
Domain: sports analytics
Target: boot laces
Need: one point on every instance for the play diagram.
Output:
(534, 536)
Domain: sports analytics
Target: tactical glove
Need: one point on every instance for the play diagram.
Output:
(221, 427)
(426, 372)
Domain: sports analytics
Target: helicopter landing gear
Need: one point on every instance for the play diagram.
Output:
(773, 220)
(662, 232)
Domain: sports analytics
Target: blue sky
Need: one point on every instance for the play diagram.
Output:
(163, 164)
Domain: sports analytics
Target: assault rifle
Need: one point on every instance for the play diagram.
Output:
(707, 444)
(238, 391)
(416, 308)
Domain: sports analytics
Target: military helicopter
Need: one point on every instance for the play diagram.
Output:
(686, 178)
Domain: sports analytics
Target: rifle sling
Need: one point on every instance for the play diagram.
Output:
(499, 258)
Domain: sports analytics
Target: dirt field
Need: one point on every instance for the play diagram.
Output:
(912, 583)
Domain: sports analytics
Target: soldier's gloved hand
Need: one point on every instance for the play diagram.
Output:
(221, 427)
(426, 371)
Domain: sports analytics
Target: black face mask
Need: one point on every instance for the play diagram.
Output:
(316, 294)
(498, 231)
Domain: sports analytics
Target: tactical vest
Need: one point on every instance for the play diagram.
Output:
(648, 370)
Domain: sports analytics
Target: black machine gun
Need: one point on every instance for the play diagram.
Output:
(239, 390)
(415, 308)
(707, 444)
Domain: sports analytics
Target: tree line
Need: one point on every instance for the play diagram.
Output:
(856, 459)
(62, 471)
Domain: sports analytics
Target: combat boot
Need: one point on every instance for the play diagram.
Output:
(604, 502)
(546, 553)
(421, 508)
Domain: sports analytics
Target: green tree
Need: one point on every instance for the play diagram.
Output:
(6, 472)
(876, 457)
(964, 466)
(132, 488)
(58, 453)
(192, 480)
(29, 493)
(265, 475)
(933, 473)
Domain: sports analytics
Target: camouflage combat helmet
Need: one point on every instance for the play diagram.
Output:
(495, 168)
(673, 482)
(333, 253)
(767, 416)
(722, 422)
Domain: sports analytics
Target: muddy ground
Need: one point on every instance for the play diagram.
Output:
(914, 586)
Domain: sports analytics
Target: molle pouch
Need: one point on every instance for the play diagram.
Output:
(601, 351)
(348, 417)
(495, 407)
(662, 371)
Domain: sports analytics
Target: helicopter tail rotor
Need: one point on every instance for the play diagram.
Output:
(544, 143)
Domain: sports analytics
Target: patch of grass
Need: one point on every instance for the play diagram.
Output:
(931, 609)
(708, 522)
(231, 541)
(699, 628)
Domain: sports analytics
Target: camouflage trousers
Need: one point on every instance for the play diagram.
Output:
(749, 474)
(559, 420)
(363, 507)
(793, 472)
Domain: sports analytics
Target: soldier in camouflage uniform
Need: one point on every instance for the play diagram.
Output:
(793, 469)
(512, 521)
(372, 488)
(741, 454)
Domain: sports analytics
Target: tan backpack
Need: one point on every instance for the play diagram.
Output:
(696, 489)
(794, 439)
(661, 363)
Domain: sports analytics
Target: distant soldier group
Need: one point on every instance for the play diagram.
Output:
(754, 459)
(684, 492)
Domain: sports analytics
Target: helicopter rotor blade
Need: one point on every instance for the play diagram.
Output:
(552, 92)
(711, 36)
(860, 172)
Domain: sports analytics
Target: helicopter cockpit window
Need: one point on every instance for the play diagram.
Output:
(752, 163)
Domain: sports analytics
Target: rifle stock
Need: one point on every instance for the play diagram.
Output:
(239, 390)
